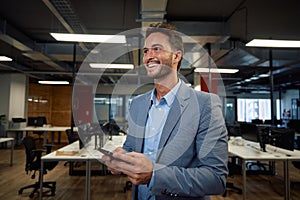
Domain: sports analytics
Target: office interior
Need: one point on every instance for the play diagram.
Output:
(264, 90)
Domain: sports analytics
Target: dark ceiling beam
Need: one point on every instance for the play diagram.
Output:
(20, 69)
(198, 28)
(62, 15)
(152, 11)
(12, 36)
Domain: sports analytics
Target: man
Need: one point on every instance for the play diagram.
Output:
(176, 146)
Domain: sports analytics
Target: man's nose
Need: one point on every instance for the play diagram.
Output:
(150, 53)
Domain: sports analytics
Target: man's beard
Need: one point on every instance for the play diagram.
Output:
(164, 69)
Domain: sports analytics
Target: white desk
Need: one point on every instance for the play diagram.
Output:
(251, 151)
(45, 130)
(12, 144)
(87, 155)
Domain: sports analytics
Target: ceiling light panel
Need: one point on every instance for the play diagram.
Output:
(274, 43)
(68, 37)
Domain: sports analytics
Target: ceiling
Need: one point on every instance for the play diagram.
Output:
(222, 27)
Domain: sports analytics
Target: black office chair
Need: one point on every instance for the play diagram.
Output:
(72, 136)
(296, 164)
(257, 121)
(38, 122)
(39, 134)
(233, 169)
(33, 164)
(251, 132)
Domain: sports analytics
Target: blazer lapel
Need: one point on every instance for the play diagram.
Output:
(178, 107)
(142, 116)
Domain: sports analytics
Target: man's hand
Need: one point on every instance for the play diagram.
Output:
(135, 165)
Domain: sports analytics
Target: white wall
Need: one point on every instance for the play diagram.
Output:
(17, 96)
(13, 89)
(286, 99)
(5, 94)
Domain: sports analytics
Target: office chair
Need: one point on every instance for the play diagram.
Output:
(251, 132)
(39, 138)
(268, 121)
(72, 136)
(37, 122)
(233, 167)
(296, 164)
(33, 164)
(257, 121)
(128, 186)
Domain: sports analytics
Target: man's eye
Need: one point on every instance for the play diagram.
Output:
(156, 48)
(146, 51)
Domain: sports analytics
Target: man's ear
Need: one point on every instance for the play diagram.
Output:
(177, 55)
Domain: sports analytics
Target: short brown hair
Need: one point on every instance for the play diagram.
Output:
(175, 38)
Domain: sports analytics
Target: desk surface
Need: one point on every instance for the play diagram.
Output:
(87, 153)
(251, 151)
(32, 128)
(6, 139)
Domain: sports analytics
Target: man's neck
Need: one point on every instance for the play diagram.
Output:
(163, 87)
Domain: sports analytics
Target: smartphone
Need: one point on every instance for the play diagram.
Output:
(106, 152)
(110, 154)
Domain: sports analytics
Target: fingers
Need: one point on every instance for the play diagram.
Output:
(135, 165)
(113, 171)
(110, 166)
(119, 150)
(143, 178)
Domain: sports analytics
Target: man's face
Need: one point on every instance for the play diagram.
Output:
(158, 56)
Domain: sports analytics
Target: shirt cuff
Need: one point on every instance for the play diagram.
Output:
(151, 181)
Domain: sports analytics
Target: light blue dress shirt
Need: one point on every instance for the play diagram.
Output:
(157, 117)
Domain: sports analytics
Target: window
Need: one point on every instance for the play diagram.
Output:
(248, 109)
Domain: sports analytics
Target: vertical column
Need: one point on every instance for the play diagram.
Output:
(208, 81)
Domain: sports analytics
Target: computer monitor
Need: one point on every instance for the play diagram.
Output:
(257, 121)
(41, 121)
(294, 124)
(282, 138)
(36, 121)
(250, 132)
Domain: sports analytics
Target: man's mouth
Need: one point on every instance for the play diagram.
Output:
(152, 63)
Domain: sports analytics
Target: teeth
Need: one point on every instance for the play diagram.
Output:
(152, 65)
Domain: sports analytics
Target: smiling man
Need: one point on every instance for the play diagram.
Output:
(176, 147)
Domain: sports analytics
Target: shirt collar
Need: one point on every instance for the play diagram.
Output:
(169, 97)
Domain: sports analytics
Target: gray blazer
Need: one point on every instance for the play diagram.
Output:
(192, 158)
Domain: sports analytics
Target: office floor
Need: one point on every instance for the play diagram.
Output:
(111, 187)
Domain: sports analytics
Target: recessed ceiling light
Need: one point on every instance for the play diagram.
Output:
(5, 58)
(111, 66)
(216, 70)
(54, 82)
(259, 92)
(263, 75)
(68, 37)
(274, 43)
